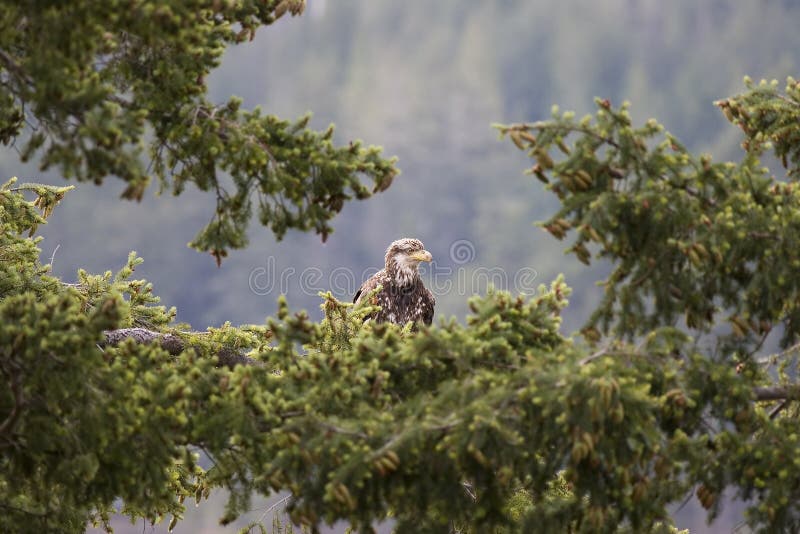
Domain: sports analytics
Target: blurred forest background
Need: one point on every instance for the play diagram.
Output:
(425, 80)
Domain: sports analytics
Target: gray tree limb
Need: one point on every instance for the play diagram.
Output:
(174, 344)
(772, 393)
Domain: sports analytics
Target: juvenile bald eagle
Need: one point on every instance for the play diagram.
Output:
(403, 296)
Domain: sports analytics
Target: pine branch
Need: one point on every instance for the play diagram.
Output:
(11, 65)
(762, 393)
(175, 345)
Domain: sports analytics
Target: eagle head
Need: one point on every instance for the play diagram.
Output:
(402, 259)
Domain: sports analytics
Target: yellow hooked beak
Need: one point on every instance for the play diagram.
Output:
(422, 255)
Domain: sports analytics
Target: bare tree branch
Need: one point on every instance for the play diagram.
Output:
(777, 409)
(771, 393)
(174, 344)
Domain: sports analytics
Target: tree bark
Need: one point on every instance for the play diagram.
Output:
(772, 393)
(174, 345)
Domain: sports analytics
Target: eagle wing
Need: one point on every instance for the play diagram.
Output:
(427, 306)
(370, 284)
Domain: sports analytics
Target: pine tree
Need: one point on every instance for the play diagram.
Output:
(118, 88)
(501, 424)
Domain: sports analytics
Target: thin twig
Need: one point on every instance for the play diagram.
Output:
(594, 356)
(469, 490)
(587, 131)
(786, 352)
(777, 409)
(686, 500)
(53, 256)
(271, 508)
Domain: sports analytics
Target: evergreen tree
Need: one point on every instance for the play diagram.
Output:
(118, 88)
(502, 424)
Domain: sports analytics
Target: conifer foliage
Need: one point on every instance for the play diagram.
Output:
(502, 424)
(99, 88)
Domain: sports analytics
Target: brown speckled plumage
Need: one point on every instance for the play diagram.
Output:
(403, 296)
